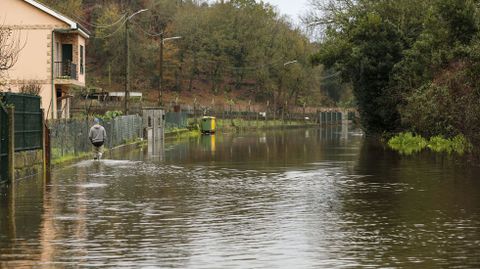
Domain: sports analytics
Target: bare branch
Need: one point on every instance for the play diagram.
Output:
(10, 47)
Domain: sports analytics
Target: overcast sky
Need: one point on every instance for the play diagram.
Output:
(292, 8)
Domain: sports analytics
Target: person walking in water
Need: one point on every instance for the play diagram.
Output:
(97, 136)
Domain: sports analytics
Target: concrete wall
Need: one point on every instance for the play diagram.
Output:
(28, 163)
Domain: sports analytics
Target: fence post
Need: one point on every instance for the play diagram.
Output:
(11, 143)
(266, 112)
(46, 149)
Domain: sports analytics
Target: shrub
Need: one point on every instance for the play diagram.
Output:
(407, 143)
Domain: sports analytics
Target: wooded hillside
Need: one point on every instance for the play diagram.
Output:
(237, 49)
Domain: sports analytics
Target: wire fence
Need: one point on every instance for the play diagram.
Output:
(70, 137)
(176, 120)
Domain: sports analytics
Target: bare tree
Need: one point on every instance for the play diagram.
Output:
(324, 14)
(10, 47)
(31, 87)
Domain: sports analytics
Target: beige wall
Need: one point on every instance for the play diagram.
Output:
(35, 27)
(34, 60)
(29, 15)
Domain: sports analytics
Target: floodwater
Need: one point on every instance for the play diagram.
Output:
(303, 198)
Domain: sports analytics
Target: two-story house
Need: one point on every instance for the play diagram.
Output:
(53, 55)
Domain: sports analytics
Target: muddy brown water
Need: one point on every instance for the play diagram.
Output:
(304, 198)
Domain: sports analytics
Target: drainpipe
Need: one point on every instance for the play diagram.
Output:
(52, 63)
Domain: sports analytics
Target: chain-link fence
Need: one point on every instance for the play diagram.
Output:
(123, 129)
(176, 120)
(70, 137)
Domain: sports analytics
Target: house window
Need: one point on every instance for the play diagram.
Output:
(81, 60)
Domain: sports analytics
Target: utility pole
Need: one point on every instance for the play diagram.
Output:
(127, 56)
(127, 66)
(160, 74)
(160, 71)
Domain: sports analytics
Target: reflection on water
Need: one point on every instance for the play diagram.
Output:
(315, 198)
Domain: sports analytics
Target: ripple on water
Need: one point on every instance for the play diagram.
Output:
(92, 185)
(325, 214)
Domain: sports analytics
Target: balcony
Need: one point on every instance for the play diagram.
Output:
(65, 70)
(66, 74)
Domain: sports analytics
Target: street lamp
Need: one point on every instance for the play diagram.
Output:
(280, 82)
(290, 62)
(127, 53)
(160, 79)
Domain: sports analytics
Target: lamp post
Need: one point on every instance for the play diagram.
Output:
(290, 62)
(127, 53)
(280, 90)
(160, 75)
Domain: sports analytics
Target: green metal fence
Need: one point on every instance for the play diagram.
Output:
(3, 143)
(28, 120)
(70, 137)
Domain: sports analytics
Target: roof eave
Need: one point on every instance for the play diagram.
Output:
(72, 24)
(53, 13)
(69, 31)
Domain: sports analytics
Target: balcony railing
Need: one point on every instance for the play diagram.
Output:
(65, 70)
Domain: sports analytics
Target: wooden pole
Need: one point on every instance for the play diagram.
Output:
(160, 75)
(46, 150)
(127, 67)
(11, 144)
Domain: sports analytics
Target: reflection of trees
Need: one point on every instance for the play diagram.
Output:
(409, 207)
(264, 149)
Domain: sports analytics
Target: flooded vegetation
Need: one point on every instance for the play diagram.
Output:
(302, 198)
(407, 143)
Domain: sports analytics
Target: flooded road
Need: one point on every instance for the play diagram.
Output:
(277, 199)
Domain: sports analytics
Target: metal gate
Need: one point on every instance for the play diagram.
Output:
(3, 143)
(28, 120)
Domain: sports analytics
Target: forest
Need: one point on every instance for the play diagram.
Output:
(232, 51)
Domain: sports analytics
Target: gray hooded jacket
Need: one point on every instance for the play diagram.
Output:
(97, 134)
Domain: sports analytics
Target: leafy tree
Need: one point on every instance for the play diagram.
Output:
(417, 61)
(365, 50)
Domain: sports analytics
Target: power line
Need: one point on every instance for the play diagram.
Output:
(331, 76)
(99, 25)
(113, 33)
(146, 32)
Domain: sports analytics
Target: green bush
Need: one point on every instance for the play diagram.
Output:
(109, 115)
(407, 143)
